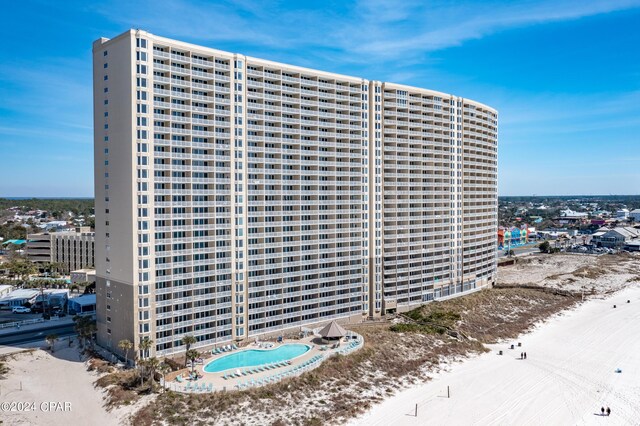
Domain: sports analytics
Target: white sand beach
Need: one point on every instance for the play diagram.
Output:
(39, 378)
(568, 375)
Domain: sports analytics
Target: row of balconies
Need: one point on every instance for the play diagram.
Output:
(188, 83)
(423, 256)
(274, 276)
(192, 108)
(188, 59)
(304, 102)
(339, 300)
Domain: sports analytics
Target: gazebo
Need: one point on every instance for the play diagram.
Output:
(332, 331)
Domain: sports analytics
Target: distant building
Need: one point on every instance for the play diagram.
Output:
(53, 225)
(5, 289)
(83, 275)
(632, 245)
(19, 298)
(73, 250)
(53, 298)
(571, 213)
(514, 237)
(570, 216)
(622, 214)
(39, 248)
(616, 237)
(635, 215)
(83, 305)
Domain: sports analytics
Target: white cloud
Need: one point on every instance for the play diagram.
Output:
(365, 31)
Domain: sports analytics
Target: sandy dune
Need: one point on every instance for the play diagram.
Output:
(58, 378)
(568, 376)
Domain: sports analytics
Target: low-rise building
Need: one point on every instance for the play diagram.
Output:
(52, 298)
(632, 245)
(622, 214)
(635, 215)
(82, 305)
(19, 298)
(83, 275)
(616, 237)
(5, 289)
(72, 250)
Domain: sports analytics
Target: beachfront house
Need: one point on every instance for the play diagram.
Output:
(616, 237)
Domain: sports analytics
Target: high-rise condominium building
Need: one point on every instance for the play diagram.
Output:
(238, 197)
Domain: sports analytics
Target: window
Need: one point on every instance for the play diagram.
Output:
(106, 65)
(105, 53)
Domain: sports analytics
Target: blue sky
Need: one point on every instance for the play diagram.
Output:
(564, 75)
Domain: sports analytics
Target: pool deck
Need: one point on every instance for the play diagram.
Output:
(215, 382)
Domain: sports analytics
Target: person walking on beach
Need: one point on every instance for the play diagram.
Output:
(520, 355)
(525, 355)
(608, 411)
(602, 410)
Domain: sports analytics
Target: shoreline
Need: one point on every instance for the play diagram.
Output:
(568, 376)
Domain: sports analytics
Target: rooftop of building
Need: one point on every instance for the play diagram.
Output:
(85, 299)
(230, 55)
(21, 294)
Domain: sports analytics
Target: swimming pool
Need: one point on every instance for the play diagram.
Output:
(253, 357)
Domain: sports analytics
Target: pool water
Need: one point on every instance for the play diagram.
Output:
(253, 357)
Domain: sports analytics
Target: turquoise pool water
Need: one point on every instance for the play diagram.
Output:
(253, 357)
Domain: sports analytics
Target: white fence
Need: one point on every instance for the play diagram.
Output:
(20, 323)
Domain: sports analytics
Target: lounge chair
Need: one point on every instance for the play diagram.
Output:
(234, 347)
(179, 379)
(188, 387)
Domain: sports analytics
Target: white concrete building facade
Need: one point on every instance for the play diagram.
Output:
(238, 197)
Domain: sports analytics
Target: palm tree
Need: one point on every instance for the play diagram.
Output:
(51, 340)
(85, 327)
(152, 365)
(188, 340)
(125, 345)
(144, 346)
(164, 370)
(192, 355)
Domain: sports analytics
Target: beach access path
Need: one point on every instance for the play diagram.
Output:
(568, 375)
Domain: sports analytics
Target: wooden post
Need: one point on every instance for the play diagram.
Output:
(448, 393)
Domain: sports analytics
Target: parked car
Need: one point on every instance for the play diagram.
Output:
(21, 310)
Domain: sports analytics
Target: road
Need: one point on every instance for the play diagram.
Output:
(520, 250)
(26, 336)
